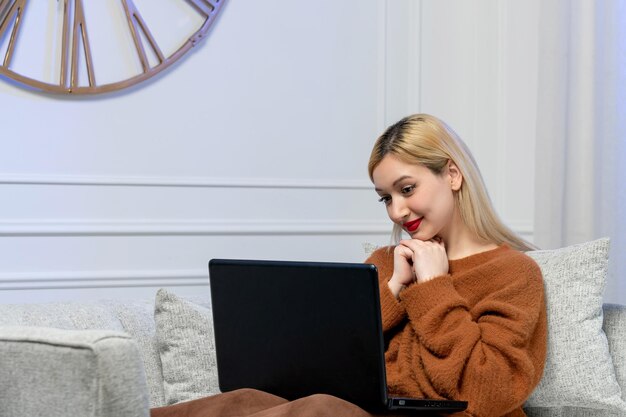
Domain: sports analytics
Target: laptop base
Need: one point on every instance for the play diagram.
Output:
(422, 404)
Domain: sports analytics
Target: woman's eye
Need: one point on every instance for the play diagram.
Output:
(385, 199)
(407, 189)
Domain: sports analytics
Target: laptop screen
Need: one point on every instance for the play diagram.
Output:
(299, 328)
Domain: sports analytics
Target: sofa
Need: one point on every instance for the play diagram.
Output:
(120, 358)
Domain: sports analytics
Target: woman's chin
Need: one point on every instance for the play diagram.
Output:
(416, 235)
(420, 236)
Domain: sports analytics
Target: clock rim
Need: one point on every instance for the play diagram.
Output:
(38, 85)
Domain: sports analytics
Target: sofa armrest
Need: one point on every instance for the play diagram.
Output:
(54, 372)
(614, 326)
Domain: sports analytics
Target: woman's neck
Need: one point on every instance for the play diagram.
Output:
(460, 242)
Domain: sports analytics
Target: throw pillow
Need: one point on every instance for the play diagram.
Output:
(369, 248)
(185, 341)
(579, 370)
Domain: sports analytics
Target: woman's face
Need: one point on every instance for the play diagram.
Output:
(418, 200)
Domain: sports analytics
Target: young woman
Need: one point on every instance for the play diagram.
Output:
(463, 308)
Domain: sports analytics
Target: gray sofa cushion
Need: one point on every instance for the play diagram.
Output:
(615, 328)
(137, 319)
(60, 316)
(54, 372)
(187, 348)
(570, 412)
(579, 370)
(133, 317)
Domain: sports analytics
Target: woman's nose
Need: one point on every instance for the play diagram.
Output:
(398, 210)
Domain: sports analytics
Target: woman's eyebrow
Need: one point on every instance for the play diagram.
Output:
(404, 177)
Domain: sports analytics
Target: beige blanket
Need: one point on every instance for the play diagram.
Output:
(253, 403)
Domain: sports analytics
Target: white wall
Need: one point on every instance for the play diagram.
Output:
(474, 64)
(256, 144)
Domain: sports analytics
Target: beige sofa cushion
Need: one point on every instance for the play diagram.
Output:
(59, 373)
(133, 317)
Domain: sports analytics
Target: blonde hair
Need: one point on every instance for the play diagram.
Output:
(426, 140)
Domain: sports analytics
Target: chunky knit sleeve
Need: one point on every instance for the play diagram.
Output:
(392, 311)
(486, 347)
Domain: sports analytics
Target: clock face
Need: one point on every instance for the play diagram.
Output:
(97, 46)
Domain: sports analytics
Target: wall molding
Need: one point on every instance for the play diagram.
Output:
(47, 227)
(184, 182)
(189, 228)
(102, 279)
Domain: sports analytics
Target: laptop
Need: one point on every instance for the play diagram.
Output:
(295, 329)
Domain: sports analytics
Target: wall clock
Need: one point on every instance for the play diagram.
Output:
(92, 47)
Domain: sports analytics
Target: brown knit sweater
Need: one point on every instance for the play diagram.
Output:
(476, 334)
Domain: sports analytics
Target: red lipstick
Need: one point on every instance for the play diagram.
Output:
(413, 225)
